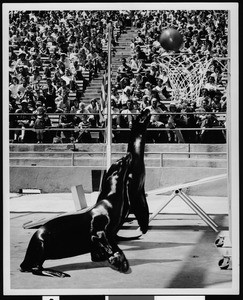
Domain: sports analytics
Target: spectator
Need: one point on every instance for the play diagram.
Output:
(93, 108)
(62, 94)
(36, 61)
(206, 105)
(75, 107)
(23, 122)
(148, 90)
(164, 76)
(138, 40)
(142, 67)
(154, 73)
(84, 135)
(14, 89)
(22, 61)
(203, 96)
(134, 64)
(12, 55)
(157, 122)
(140, 54)
(211, 136)
(67, 77)
(139, 82)
(223, 103)
(125, 96)
(82, 112)
(77, 71)
(42, 121)
(128, 115)
(153, 52)
(145, 102)
(149, 78)
(35, 79)
(114, 95)
(65, 121)
(49, 92)
(44, 51)
(161, 90)
(123, 71)
(22, 88)
(215, 103)
(211, 87)
(189, 136)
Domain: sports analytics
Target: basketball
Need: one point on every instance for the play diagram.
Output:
(171, 39)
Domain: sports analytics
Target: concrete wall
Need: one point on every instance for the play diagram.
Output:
(60, 179)
(50, 179)
(52, 176)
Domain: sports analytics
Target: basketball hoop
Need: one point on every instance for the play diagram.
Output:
(186, 73)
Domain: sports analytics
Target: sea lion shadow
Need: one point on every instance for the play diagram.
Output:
(85, 266)
(132, 246)
(96, 265)
(81, 266)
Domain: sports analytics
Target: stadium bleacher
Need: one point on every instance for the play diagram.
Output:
(24, 29)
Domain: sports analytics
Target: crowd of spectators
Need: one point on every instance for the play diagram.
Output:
(52, 55)
(51, 52)
(143, 82)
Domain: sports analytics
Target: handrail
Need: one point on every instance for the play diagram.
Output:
(120, 128)
(133, 114)
(73, 155)
(120, 152)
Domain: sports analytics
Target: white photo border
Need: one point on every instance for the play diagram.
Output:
(233, 147)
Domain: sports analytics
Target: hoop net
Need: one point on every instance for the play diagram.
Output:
(186, 74)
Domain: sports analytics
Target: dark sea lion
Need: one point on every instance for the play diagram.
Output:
(136, 176)
(94, 229)
(90, 230)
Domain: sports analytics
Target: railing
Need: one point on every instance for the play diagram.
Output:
(221, 116)
(95, 131)
(72, 156)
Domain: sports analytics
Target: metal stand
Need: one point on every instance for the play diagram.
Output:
(192, 204)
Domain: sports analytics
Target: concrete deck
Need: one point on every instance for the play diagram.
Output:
(178, 252)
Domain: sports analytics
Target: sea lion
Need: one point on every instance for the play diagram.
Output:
(136, 174)
(89, 230)
(95, 229)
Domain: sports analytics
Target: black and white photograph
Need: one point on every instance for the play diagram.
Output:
(121, 148)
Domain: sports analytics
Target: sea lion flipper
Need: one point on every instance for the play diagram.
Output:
(49, 273)
(118, 261)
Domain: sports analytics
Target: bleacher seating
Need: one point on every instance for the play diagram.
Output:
(92, 90)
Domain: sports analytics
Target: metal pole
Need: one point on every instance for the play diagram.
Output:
(109, 121)
(228, 126)
(155, 213)
(181, 193)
